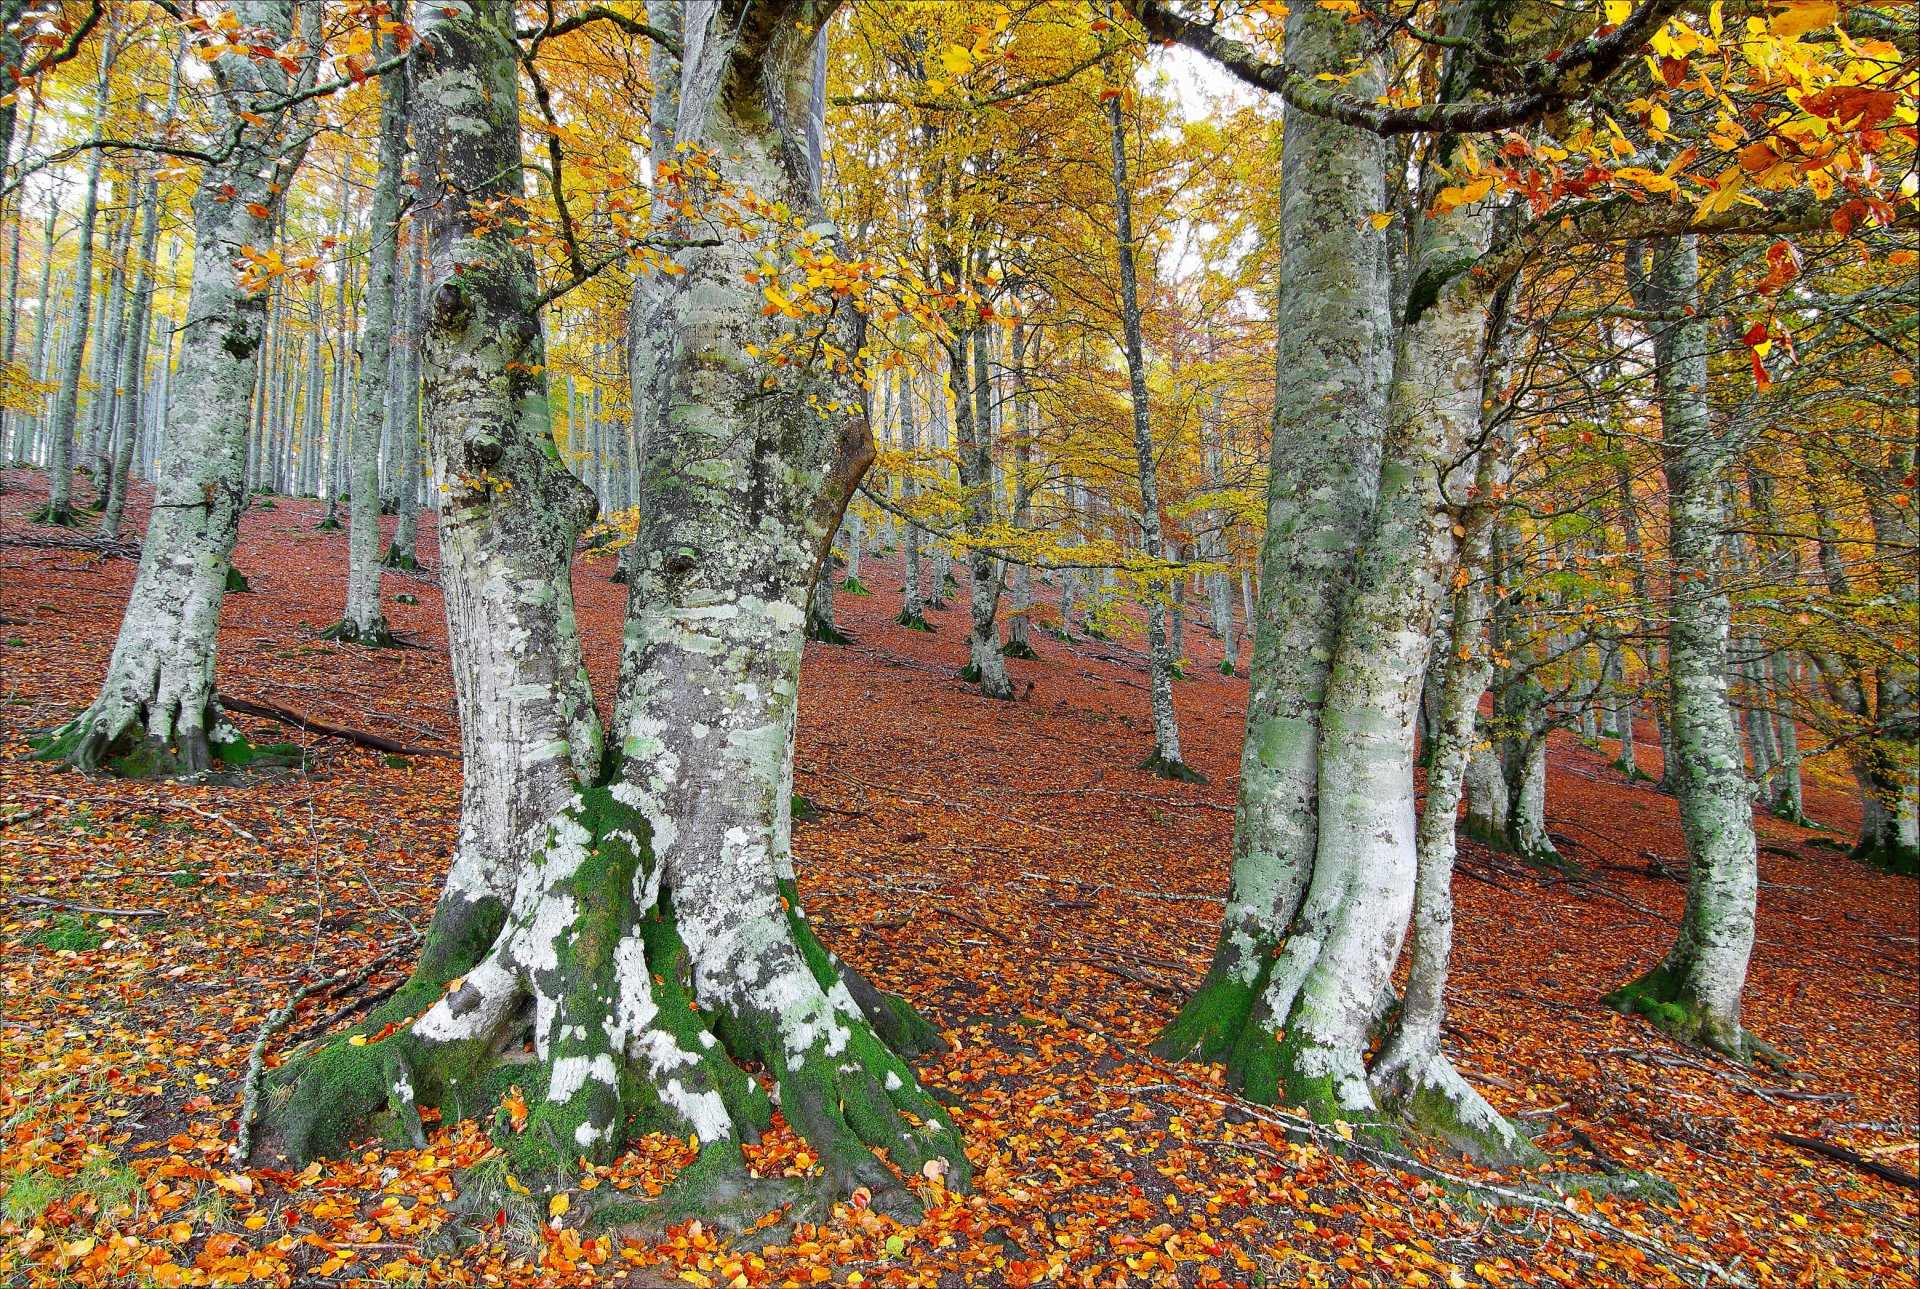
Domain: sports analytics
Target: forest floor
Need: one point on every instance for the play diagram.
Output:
(1002, 864)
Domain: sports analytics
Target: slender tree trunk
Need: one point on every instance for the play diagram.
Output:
(157, 700)
(973, 440)
(66, 406)
(406, 402)
(1695, 991)
(133, 368)
(1165, 759)
(913, 608)
(362, 620)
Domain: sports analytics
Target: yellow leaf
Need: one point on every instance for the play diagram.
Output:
(957, 59)
(236, 1184)
(558, 1206)
(1798, 17)
(358, 1040)
(1617, 11)
(1380, 221)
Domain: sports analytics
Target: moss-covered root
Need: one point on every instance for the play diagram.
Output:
(913, 622)
(1019, 649)
(854, 586)
(899, 1025)
(1894, 857)
(1431, 1100)
(340, 1089)
(1168, 768)
(398, 559)
(376, 636)
(111, 735)
(826, 634)
(1209, 1027)
(1661, 996)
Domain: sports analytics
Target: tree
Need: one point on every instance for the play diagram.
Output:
(640, 898)
(157, 711)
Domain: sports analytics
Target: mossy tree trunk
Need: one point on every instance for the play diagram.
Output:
(1339, 743)
(1694, 992)
(632, 919)
(1331, 321)
(159, 688)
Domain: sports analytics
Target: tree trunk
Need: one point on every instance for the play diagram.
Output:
(66, 405)
(913, 606)
(973, 442)
(1695, 991)
(157, 707)
(406, 400)
(133, 367)
(1331, 319)
(362, 620)
(1164, 760)
(646, 934)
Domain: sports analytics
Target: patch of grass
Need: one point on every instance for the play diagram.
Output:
(186, 879)
(28, 1195)
(69, 931)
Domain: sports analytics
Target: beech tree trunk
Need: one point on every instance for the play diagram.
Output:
(646, 934)
(157, 711)
(1695, 991)
(1331, 320)
(362, 620)
(1164, 760)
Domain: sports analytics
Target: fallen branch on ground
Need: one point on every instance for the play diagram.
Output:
(1845, 1156)
(85, 908)
(359, 737)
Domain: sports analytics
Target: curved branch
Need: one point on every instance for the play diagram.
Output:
(1551, 82)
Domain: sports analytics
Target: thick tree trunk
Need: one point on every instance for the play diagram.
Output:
(973, 441)
(158, 692)
(362, 620)
(1331, 321)
(1695, 991)
(645, 935)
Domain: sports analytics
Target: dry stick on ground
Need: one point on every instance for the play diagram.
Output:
(1845, 1156)
(256, 1059)
(85, 908)
(360, 737)
(160, 803)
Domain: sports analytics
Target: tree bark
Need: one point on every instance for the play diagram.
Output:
(1331, 319)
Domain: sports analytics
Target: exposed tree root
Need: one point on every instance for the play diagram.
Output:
(114, 736)
(399, 559)
(1019, 649)
(1662, 997)
(827, 634)
(913, 621)
(1167, 767)
(378, 636)
(854, 586)
(580, 994)
(1893, 858)
(54, 518)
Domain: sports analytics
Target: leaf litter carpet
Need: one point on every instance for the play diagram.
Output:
(1007, 868)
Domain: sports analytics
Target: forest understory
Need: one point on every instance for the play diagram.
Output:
(1006, 867)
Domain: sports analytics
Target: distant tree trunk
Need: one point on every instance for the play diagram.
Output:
(913, 608)
(973, 441)
(1019, 628)
(133, 366)
(66, 405)
(1164, 759)
(362, 620)
(1695, 991)
(939, 437)
(1220, 581)
(406, 401)
(43, 328)
(157, 701)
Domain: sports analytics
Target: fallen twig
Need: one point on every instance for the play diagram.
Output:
(85, 908)
(361, 737)
(1845, 1156)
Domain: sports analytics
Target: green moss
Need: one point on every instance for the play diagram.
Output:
(913, 621)
(237, 583)
(1226, 667)
(1208, 1027)
(1019, 649)
(1889, 858)
(826, 634)
(854, 586)
(1167, 768)
(67, 931)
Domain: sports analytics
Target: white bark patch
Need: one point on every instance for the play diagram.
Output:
(570, 1074)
